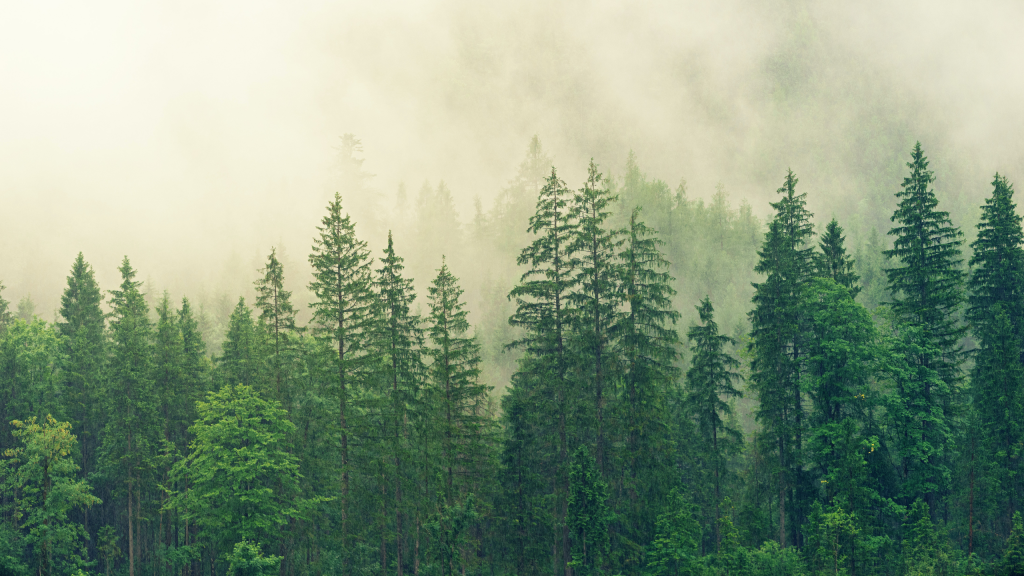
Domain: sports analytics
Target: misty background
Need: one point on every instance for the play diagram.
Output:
(193, 137)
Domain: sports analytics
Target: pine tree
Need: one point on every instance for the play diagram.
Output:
(278, 319)
(709, 387)
(343, 315)
(779, 340)
(543, 312)
(927, 286)
(833, 262)
(597, 296)
(129, 439)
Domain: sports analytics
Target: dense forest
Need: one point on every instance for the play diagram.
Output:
(651, 385)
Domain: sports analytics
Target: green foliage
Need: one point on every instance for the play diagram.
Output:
(675, 549)
(46, 491)
(277, 317)
(241, 481)
(1013, 558)
(588, 515)
(247, 559)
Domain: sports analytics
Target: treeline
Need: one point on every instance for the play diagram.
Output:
(815, 435)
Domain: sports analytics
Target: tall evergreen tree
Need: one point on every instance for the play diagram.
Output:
(129, 440)
(543, 312)
(779, 342)
(399, 343)
(596, 298)
(647, 343)
(343, 316)
(83, 350)
(277, 316)
(5, 310)
(709, 388)
(997, 262)
(926, 282)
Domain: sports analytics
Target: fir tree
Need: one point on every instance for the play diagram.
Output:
(5, 310)
(709, 387)
(927, 286)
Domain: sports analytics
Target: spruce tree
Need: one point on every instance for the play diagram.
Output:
(5, 311)
(83, 350)
(926, 282)
(779, 342)
(544, 314)
(833, 262)
(589, 514)
(709, 387)
(242, 361)
(277, 316)
(646, 344)
(596, 298)
(343, 317)
(129, 439)
(399, 342)
(454, 382)
(997, 262)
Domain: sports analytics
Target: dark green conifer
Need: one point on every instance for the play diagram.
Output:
(926, 282)
(833, 262)
(779, 341)
(277, 316)
(544, 314)
(129, 439)
(709, 388)
(596, 298)
(343, 318)
(589, 514)
(242, 358)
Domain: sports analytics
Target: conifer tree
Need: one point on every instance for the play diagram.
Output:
(195, 366)
(343, 317)
(278, 319)
(997, 262)
(83, 348)
(927, 287)
(596, 298)
(543, 312)
(399, 343)
(129, 439)
(709, 387)
(242, 361)
(5, 310)
(833, 262)
(779, 340)
(646, 342)
(589, 514)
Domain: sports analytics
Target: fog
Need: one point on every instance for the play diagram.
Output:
(193, 136)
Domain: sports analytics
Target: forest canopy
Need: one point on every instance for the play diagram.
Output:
(645, 384)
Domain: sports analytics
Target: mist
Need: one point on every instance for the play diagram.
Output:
(194, 137)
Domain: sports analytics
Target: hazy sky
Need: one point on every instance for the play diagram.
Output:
(189, 134)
